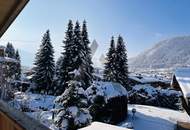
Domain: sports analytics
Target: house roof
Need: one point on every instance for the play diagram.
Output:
(2, 47)
(102, 126)
(9, 10)
(107, 89)
(183, 77)
(146, 79)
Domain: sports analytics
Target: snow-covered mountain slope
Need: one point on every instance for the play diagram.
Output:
(171, 53)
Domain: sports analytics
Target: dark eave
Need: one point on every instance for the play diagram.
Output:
(9, 10)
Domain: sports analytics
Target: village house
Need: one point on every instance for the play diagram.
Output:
(136, 79)
(181, 82)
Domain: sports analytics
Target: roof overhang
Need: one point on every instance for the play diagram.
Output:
(9, 10)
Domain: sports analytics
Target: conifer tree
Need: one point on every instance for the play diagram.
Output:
(18, 66)
(66, 64)
(10, 51)
(110, 68)
(17, 55)
(74, 95)
(73, 55)
(58, 78)
(78, 51)
(44, 66)
(88, 68)
(74, 104)
(13, 67)
(121, 63)
(58, 65)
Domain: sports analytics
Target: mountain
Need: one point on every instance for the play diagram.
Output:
(170, 53)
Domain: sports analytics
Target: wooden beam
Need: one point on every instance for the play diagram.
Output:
(6, 123)
(14, 7)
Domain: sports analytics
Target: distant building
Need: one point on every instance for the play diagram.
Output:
(154, 81)
(181, 82)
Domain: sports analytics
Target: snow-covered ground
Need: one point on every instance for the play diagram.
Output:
(35, 102)
(40, 107)
(146, 117)
(154, 118)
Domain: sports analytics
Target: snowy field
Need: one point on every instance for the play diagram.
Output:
(35, 102)
(154, 118)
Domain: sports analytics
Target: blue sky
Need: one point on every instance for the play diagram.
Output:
(142, 23)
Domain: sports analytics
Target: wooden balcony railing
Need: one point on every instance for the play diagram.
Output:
(11, 119)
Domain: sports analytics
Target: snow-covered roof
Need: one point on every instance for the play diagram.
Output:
(151, 91)
(7, 59)
(114, 89)
(146, 79)
(103, 126)
(2, 47)
(183, 77)
(106, 89)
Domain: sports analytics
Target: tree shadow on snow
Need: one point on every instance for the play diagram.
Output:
(147, 122)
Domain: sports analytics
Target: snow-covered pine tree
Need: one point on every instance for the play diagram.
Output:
(44, 66)
(78, 51)
(74, 95)
(17, 55)
(64, 65)
(74, 113)
(58, 78)
(88, 68)
(109, 71)
(73, 55)
(10, 51)
(58, 66)
(18, 66)
(121, 63)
